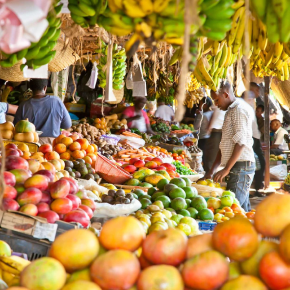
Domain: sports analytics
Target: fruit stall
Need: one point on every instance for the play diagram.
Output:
(132, 205)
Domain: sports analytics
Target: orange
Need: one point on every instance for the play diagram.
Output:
(95, 147)
(212, 209)
(236, 208)
(84, 143)
(227, 209)
(60, 148)
(75, 137)
(84, 151)
(88, 159)
(67, 141)
(77, 154)
(75, 146)
(58, 139)
(250, 215)
(90, 149)
(51, 155)
(65, 156)
(92, 156)
(26, 155)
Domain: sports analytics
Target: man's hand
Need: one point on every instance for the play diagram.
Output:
(208, 175)
(219, 176)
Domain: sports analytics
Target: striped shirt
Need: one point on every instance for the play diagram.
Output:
(237, 128)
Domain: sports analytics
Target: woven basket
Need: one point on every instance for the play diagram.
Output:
(12, 74)
(119, 96)
(63, 58)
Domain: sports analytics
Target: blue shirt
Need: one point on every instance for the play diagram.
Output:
(48, 114)
(3, 111)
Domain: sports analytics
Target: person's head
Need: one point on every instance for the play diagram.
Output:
(205, 104)
(139, 102)
(224, 97)
(38, 85)
(275, 125)
(259, 111)
(255, 88)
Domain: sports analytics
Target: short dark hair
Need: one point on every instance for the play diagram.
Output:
(261, 107)
(38, 84)
(253, 84)
(207, 100)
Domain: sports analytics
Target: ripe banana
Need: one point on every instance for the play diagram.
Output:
(236, 22)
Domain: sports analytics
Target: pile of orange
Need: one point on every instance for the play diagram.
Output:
(71, 148)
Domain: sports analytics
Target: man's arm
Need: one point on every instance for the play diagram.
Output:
(12, 109)
(232, 161)
(18, 115)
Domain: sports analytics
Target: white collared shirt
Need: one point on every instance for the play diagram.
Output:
(279, 138)
(237, 128)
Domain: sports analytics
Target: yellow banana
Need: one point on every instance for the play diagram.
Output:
(216, 47)
(199, 76)
(250, 29)
(8, 277)
(224, 57)
(278, 49)
(235, 25)
(133, 9)
(240, 33)
(208, 46)
(269, 56)
(146, 6)
(200, 48)
(206, 75)
(15, 262)
(238, 4)
(255, 34)
(229, 55)
(279, 64)
(284, 56)
(262, 39)
(280, 74)
(160, 5)
(144, 28)
(286, 71)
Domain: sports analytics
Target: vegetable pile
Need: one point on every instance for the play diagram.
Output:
(182, 169)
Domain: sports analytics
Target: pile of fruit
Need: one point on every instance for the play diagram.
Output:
(194, 149)
(136, 154)
(39, 192)
(179, 155)
(119, 66)
(117, 197)
(114, 123)
(274, 157)
(24, 131)
(158, 151)
(183, 169)
(233, 256)
(40, 53)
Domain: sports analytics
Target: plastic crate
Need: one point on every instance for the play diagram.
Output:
(206, 226)
(21, 255)
(111, 172)
(32, 248)
(33, 147)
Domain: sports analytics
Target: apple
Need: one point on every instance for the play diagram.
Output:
(160, 168)
(133, 160)
(46, 198)
(139, 163)
(21, 175)
(10, 146)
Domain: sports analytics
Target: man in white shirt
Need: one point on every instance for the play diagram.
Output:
(164, 112)
(279, 144)
(215, 131)
(236, 153)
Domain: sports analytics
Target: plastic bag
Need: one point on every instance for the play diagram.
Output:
(92, 185)
(278, 172)
(129, 80)
(107, 210)
(94, 77)
(134, 142)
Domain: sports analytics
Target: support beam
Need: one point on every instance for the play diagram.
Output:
(267, 131)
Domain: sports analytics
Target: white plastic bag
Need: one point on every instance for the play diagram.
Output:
(129, 80)
(94, 77)
(278, 172)
(107, 210)
(92, 185)
(134, 142)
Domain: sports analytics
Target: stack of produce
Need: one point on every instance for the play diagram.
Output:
(7, 130)
(40, 53)
(107, 150)
(119, 66)
(113, 122)
(102, 123)
(117, 197)
(158, 151)
(85, 13)
(24, 131)
(34, 189)
(127, 155)
(160, 126)
(183, 169)
(274, 157)
(179, 155)
(193, 96)
(230, 257)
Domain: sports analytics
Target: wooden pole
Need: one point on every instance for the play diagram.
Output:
(267, 131)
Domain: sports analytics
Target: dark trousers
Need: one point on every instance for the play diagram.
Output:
(202, 146)
(211, 150)
(276, 151)
(259, 174)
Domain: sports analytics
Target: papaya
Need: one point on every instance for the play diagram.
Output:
(24, 137)
(24, 126)
(154, 178)
(6, 134)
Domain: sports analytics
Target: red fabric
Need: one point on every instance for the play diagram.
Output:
(130, 112)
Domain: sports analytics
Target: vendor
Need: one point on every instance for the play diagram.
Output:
(6, 108)
(164, 112)
(279, 143)
(46, 112)
(137, 117)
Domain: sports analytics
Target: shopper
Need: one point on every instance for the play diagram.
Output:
(215, 131)
(260, 120)
(257, 147)
(236, 154)
(6, 108)
(46, 112)
(279, 143)
(164, 112)
(137, 117)
(201, 122)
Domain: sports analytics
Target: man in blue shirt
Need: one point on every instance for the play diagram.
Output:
(46, 112)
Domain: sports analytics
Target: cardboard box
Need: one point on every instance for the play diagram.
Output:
(36, 227)
(277, 162)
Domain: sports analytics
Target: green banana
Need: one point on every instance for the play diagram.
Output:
(221, 6)
(32, 53)
(45, 60)
(45, 50)
(50, 33)
(214, 35)
(260, 7)
(77, 19)
(22, 53)
(57, 9)
(218, 25)
(74, 9)
(280, 6)
(208, 4)
(73, 2)
(272, 24)
(6, 63)
(285, 26)
(56, 35)
(90, 11)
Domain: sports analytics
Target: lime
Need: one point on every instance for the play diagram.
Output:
(193, 212)
(187, 181)
(151, 191)
(135, 195)
(191, 222)
(227, 200)
(184, 212)
(205, 214)
(169, 187)
(185, 228)
(188, 202)
(161, 183)
(199, 203)
(190, 191)
(228, 192)
(145, 184)
(157, 194)
(139, 192)
(133, 182)
(145, 196)
(165, 200)
(178, 203)
(145, 202)
(178, 181)
(177, 192)
(177, 218)
(159, 204)
(170, 209)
